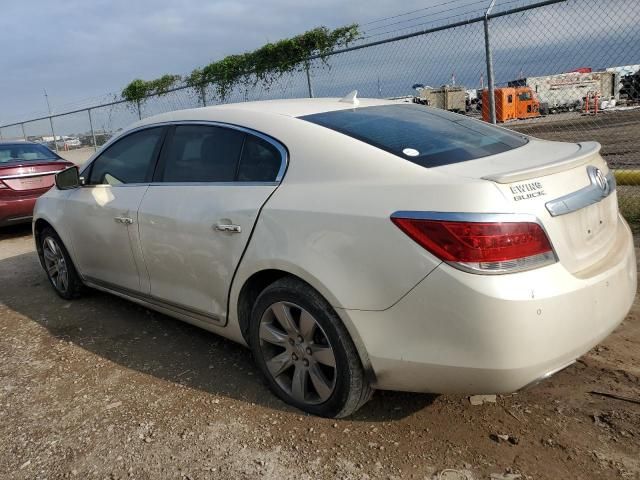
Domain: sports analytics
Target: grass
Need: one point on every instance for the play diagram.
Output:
(629, 204)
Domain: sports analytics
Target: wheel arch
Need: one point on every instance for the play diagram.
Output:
(255, 284)
(38, 227)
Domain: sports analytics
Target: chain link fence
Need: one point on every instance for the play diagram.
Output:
(564, 70)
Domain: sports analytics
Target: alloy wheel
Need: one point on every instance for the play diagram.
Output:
(297, 353)
(55, 264)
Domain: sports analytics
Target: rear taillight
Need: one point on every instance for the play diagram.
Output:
(481, 246)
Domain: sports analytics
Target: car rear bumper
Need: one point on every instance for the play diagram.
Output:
(457, 332)
(17, 209)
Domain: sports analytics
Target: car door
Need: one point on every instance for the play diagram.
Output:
(197, 216)
(102, 214)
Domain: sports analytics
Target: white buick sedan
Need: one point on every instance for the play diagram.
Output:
(352, 245)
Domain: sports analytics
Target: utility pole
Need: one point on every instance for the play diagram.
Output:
(93, 133)
(46, 97)
(55, 141)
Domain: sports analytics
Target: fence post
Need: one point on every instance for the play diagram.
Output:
(93, 134)
(24, 135)
(306, 67)
(55, 142)
(489, 59)
(203, 95)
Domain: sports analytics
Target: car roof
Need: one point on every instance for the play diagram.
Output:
(296, 107)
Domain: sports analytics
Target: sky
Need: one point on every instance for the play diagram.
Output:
(83, 49)
(85, 52)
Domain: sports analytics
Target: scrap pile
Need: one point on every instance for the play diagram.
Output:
(630, 89)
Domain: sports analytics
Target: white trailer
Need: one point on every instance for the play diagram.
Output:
(448, 97)
(566, 91)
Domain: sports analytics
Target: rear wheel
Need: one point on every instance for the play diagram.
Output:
(58, 265)
(305, 352)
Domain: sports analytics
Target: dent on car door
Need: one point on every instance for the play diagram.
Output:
(102, 214)
(197, 216)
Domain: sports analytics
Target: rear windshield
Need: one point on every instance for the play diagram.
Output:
(425, 136)
(25, 152)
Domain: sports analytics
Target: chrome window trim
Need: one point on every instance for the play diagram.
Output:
(213, 184)
(28, 175)
(592, 193)
(121, 185)
(479, 218)
(284, 153)
(186, 184)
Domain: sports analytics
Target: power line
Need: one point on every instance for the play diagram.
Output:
(424, 24)
(410, 12)
(429, 14)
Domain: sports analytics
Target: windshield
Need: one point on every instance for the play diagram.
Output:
(425, 136)
(25, 152)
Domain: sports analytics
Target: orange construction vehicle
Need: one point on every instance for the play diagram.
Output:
(511, 103)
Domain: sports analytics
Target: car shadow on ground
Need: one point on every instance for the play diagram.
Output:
(15, 231)
(140, 339)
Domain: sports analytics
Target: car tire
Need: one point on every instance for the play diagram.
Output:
(58, 266)
(311, 363)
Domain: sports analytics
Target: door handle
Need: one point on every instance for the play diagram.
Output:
(228, 228)
(124, 220)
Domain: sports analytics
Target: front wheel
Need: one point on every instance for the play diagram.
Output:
(58, 265)
(305, 352)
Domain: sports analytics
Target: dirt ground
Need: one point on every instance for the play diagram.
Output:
(78, 155)
(617, 131)
(101, 388)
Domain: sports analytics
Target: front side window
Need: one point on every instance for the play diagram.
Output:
(425, 136)
(129, 160)
(201, 153)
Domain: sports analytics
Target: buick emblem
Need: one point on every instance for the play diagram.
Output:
(599, 179)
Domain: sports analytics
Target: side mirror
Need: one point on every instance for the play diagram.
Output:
(68, 179)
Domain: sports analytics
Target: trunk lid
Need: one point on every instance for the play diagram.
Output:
(29, 176)
(568, 187)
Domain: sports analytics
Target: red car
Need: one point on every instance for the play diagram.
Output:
(26, 172)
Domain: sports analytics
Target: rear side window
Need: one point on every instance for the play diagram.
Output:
(25, 152)
(260, 161)
(129, 160)
(200, 153)
(425, 136)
